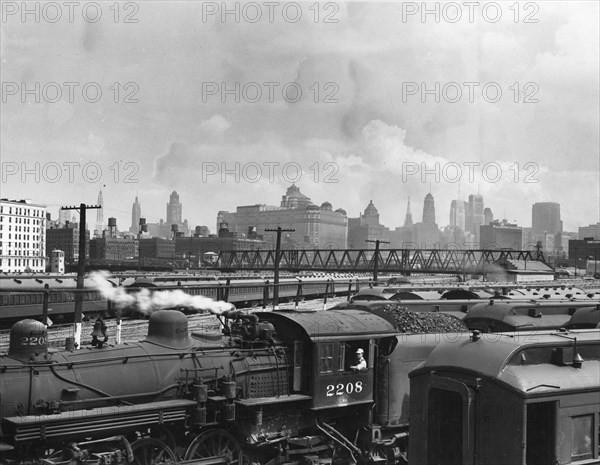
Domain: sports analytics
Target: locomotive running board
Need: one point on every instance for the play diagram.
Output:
(86, 422)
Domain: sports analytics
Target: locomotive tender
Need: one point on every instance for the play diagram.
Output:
(275, 387)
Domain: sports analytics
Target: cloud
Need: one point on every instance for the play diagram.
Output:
(368, 129)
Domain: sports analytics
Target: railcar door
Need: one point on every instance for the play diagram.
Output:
(451, 423)
(343, 373)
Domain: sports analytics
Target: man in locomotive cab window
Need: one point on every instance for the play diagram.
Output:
(361, 363)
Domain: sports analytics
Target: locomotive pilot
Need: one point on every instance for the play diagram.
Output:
(361, 363)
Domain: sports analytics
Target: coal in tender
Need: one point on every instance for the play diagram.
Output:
(425, 322)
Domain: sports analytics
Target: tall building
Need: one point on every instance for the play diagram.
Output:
(100, 215)
(314, 226)
(426, 233)
(174, 208)
(545, 218)
(22, 236)
(402, 237)
(173, 225)
(488, 216)
(66, 238)
(64, 216)
(408, 221)
(593, 231)
(136, 214)
(546, 225)
(500, 235)
(457, 214)
(429, 210)
(366, 228)
(474, 216)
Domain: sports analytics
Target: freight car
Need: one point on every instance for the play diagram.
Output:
(502, 399)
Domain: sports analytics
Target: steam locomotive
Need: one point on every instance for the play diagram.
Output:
(285, 388)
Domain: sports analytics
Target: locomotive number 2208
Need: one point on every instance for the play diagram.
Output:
(341, 389)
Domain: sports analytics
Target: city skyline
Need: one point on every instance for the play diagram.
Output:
(177, 207)
(387, 105)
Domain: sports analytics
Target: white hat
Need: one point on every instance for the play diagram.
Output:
(360, 351)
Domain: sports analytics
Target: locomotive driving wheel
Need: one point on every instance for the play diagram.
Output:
(151, 451)
(215, 443)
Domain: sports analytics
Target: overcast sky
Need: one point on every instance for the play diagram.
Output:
(187, 93)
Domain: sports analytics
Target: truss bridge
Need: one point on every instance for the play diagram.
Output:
(371, 260)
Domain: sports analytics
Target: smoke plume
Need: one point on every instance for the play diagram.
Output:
(147, 301)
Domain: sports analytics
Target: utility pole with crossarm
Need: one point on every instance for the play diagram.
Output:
(279, 230)
(80, 268)
(376, 264)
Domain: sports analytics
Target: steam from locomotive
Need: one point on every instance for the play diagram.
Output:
(148, 302)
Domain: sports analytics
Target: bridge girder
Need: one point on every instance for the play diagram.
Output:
(450, 261)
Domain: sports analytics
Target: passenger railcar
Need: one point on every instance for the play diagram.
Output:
(23, 297)
(505, 399)
(245, 291)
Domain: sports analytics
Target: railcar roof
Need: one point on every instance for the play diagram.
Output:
(54, 283)
(329, 324)
(526, 361)
(496, 309)
(588, 316)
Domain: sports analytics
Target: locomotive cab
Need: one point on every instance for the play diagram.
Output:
(334, 354)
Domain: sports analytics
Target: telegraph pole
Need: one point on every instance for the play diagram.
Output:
(80, 268)
(376, 264)
(279, 230)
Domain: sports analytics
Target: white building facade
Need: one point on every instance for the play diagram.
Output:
(22, 236)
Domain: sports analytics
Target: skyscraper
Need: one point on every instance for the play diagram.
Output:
(546, 226)
(545, 218)
(366, 228)
(371, 215)
(429, 210)
(488, 216)
(474, 216)
(136, 214)
(427, 233)
(457, 214)
(174, 209)
(100, 214)
(408, 221)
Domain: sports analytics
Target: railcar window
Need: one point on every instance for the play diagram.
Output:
(326, 358)
(539, 355)
(582, 429)
(342, 357)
